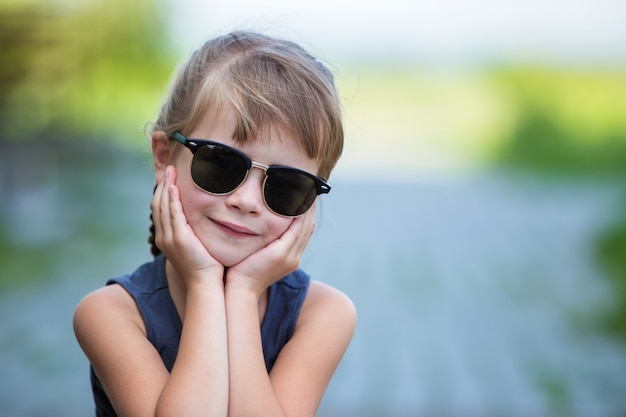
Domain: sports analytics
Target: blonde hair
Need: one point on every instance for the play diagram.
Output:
(267, 82)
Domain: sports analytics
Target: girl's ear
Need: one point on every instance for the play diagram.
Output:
(160, 153)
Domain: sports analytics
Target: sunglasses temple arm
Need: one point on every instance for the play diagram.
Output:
(323, 187)
(179, 138)
(191, 145)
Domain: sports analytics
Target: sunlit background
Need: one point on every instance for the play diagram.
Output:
(477, 219)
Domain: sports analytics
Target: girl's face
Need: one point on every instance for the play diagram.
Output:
(235, 225)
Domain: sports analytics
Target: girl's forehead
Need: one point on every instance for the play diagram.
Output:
(272, 144)
(220, 123)
(214, 119)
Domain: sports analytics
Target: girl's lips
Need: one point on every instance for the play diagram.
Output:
(234, 230)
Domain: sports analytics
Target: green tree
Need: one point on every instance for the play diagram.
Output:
(90, 70)
(566, 121)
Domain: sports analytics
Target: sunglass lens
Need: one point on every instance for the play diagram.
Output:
(288, 192)
(217, 170)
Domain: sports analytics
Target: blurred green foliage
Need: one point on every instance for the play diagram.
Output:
(24, 265)
(611, 253)
(571, 121)
(540, 119)
(88, 70)
(574, 123)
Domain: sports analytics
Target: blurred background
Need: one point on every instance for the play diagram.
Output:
(477, 219)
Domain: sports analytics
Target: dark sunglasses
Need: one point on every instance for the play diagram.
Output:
(219, 169)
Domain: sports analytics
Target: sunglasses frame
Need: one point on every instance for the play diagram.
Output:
(322, 187)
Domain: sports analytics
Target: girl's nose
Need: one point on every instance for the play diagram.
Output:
(248, 198)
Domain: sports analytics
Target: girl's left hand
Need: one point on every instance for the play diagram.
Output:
(176, 238)
(281, 257)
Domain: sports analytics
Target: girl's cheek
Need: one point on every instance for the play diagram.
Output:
(279, 227)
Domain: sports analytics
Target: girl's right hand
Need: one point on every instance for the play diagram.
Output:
(175, 237)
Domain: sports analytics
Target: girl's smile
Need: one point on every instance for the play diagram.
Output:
(234, 230)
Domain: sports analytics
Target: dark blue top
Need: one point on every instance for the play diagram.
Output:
(148, 287)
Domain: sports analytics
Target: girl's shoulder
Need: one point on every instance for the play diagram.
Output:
(329, 307)
(323, 332)
(109, 306)
(114, 304)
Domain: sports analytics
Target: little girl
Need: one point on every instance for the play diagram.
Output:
(222, 322)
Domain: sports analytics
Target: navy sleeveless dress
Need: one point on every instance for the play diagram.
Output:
(148, 287)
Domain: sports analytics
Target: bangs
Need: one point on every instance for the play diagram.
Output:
(265, 91)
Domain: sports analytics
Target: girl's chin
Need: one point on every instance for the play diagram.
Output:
(229, 264)
(227, 259)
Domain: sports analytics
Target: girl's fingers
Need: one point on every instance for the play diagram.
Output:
(161, 208)
(164, 208)
(302, 228)
(279, 258)
(288, 248)
(177, 219)
(174, 235)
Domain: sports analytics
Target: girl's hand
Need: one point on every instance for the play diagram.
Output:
(281, 257)
(175, 237)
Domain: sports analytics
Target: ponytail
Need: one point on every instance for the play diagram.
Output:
(154, 249)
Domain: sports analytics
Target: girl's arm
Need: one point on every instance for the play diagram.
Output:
(306, 364)
(112, 333)
(198, 383)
